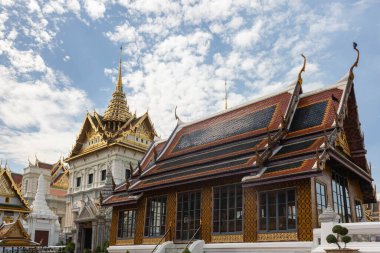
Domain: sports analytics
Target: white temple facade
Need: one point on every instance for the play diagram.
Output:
(43, 224)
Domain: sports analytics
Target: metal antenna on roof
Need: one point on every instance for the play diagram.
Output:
(355, 45)
(225, 90)
(302, 70)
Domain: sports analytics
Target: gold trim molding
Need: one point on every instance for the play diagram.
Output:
(154, 240)
(125, 242)
(270, 237)
(227, 238)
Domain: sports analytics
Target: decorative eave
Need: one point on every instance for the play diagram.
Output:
(7, 173)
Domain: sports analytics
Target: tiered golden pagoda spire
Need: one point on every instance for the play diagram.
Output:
(118, 110)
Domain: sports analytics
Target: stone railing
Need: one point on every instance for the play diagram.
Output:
(365, 235)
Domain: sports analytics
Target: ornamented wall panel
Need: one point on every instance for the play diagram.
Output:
(206, 211)
(305, 221)
(140, 221)
(250, 214)
(171, 213)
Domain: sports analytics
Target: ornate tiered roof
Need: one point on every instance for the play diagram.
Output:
(284, 136)
(116, 127)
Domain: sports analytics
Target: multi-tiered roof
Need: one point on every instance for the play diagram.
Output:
(118, 126)
(284, 136)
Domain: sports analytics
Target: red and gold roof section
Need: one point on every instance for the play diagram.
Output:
(245, 121)
(9, 188)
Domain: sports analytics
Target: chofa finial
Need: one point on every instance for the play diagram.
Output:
(302, 70)
(355, 45)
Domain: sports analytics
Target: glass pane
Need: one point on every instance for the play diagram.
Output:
(282, 223)
(272, 224)
(263, 224)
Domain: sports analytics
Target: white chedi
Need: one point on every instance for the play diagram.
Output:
(42, 217)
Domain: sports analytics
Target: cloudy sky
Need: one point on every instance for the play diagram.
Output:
(58, 59)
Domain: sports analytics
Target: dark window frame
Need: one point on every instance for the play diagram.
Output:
(277, 217)
(341, 197)
(126, 225)
(358, 210)
(237, 207)
(179, 212)
(320, 198)
(151, 218)
(103, 175)
(78, 181)
(90, 176)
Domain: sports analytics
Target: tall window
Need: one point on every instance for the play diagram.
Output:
(103, 176)
(90, 178)
(126, 225)
(79, 179)
(320, 194)
(155, 218)
(341, 197)
(358, 210)
(277, 210)
(127, 173)
(228, 209)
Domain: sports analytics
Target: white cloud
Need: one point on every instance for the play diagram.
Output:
(38, 118)
(249, 37)
(66, 58)
(95, 8)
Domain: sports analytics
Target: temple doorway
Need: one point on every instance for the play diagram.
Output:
(87, 244)
(188, 215)
(42, 237)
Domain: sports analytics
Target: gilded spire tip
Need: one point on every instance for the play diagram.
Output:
(119, 85)
(355, 45)
(302, 70)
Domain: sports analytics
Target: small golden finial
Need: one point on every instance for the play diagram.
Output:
(119, 85)
(355, 45)
(302, 70)
(225, 90)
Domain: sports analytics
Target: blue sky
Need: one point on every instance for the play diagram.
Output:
(58, 59)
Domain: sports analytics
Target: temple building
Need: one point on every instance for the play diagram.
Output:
(259, 172)
(57, 176)
(13, 212)
(106, 149)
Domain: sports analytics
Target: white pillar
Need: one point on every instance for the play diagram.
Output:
(328, 220)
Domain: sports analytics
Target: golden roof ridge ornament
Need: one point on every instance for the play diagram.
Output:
(355, 45)
(302, 70)
(179, 121)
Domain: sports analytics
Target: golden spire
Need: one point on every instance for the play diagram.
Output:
(225, 90)
(302, 70)
(356, 61)
(119, 84)
(118, 110)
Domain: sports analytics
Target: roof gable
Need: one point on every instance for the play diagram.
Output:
(10, 188)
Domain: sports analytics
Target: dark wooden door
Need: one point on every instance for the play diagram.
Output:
(42, 237)
(188, 215)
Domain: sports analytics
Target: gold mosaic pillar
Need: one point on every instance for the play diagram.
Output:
(115, 214)
(170, 215)
(139, 234)
(305, 221)
(206, 209)
(250, 214)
